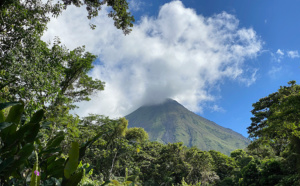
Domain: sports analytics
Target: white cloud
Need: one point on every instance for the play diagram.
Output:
(280, 52)
(177, 54)
(293, 54)
(278, 56)
(135, 5)
(273, 72)
(217, 108)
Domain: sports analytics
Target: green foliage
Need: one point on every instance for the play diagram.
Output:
(16, 140)
(136, 134)
(276, 116)
(39, 74)
(223, 165)
(72, 162)
(20, 140)
(201, 163)
(241, 157)
(276, 122)
(251, 174)
(271, 172)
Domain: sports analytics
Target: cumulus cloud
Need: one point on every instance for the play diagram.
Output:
(293, 54)
(177, 54)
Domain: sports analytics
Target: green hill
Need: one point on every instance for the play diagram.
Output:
(171, 122)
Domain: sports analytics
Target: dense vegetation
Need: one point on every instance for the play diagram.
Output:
(42, 144)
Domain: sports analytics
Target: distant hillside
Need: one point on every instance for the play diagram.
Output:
(171, 122)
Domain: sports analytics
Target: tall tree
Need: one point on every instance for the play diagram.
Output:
(119, 9)
(277, 120)
(31, 70)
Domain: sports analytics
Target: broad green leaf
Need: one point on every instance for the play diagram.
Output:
(2, 118)
(15, 113)
(5, 164)
(56, 168)
(28, 132)
(3, 125)
(72, 162)
(19, 158)
(8, 134)
(31, 133)
(5, 105)
(75, 179)
(7, 152)
(23, 154)
(37, 117)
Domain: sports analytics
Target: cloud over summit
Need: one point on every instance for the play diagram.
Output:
(179, 54)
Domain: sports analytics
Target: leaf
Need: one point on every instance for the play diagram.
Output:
(30, 136)
(23, 154)
(37, 116)
(115, 182)
(3, 125)
(72, 162)
(2, 118)
(6, 163)
(46, 125)
(7, 152)
(5, 105)
(15, 113)
(56, 168)
(54, 142)
(8, 134)
(75, 179)
(106, 182)
(28, 132)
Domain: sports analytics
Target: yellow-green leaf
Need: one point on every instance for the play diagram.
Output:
(72, 163)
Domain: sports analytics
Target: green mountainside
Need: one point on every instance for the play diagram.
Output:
(171, 122)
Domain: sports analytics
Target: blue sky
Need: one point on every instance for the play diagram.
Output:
(215, 57)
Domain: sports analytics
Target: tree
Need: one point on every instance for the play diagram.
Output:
(241, 157)
(271, 172)
(277, 115)
(119, 9)
(276, 120)
(201, 163)
(52, 77)
(223, 165)
(251, 174)
(30, 71)
(136, 134)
